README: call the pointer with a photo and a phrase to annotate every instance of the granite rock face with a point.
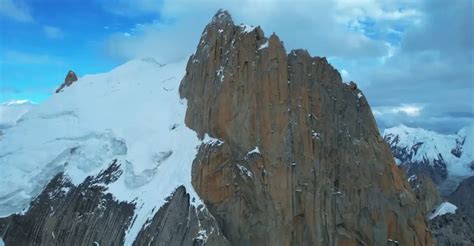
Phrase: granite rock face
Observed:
(70, 78)
(302, 161)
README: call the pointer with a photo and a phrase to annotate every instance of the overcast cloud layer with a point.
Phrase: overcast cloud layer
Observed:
(412, 59)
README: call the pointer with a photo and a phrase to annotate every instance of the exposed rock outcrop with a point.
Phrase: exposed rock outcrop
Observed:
(70, 78)
(425, 192)
(302, 162)
(453, 229)
(449, 228)
(179, 223)
(463, 197)
(64, 214)
(435, 169)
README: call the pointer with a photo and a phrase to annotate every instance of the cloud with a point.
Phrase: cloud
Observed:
(319, 26)
(131, 7)
(16, 10)
(432, 67)
(378, 9)
(154, 40)
(18, 57)
(53, 32)
(413, 59)
(410, 110)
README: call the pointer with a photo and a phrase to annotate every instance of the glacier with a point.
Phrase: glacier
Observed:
(132, 114)
(12, 111)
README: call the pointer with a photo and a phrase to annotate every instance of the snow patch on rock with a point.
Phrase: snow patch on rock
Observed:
(246, 28)
(255, 150)
(245, 171)
(264, 45)
(443, 208)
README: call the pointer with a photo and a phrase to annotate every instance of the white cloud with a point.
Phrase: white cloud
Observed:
(131, 7)
(407, 114)
(53, 32)
(434, 72)
(344, 75)
(161, 42)
(319, 26)
(411, 110)
(16, 10)
(386, 46)
(377, 9)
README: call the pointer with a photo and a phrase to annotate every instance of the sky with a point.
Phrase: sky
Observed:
(412, 59)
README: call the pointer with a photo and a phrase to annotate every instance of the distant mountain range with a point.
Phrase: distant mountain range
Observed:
(446, 158)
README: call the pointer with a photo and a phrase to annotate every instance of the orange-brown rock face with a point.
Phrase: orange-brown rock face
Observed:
(302, 161)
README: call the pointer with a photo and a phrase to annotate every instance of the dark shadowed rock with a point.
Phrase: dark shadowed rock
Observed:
(425, 192)
(70, 78)
(463, 196)
(352, 85)
(179, 223)
(64, 214)
(319, 173)
(453, 229)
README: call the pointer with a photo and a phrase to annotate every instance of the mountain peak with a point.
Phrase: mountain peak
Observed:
(295, 156)
(311, 130)
(222, 16)
(71, 77)
(445, 158)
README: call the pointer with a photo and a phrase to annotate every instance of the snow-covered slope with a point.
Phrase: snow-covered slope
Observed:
(443, 156)
(132, 114)
(12, 111)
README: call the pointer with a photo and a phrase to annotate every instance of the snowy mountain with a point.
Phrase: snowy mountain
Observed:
(12, 111)
(125, 157)
(132, 114)
(447, 159)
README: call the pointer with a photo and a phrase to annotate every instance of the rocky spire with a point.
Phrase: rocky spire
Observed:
(222, 17)
(70, 78)
(302, 161)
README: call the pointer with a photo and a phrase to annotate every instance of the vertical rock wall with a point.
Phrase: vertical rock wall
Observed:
(302, 161)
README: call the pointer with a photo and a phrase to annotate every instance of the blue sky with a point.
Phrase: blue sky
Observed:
(413, 59)
(37, 51)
